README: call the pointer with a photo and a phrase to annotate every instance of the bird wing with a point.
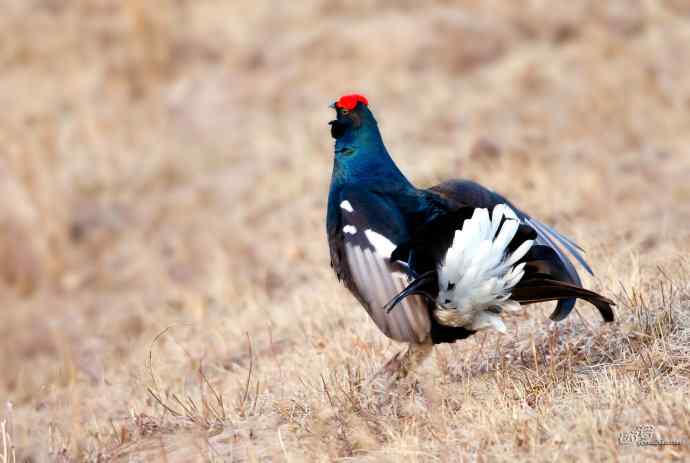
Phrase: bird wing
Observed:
(362, 236)
(468, 193)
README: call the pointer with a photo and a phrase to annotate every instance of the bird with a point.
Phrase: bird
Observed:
(437, 265)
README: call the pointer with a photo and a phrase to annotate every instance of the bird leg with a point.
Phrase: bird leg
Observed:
(402, 364)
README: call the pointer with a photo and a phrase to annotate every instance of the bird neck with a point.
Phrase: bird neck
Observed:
(361, 159)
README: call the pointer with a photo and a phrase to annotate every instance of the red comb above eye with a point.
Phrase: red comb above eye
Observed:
(349, 102)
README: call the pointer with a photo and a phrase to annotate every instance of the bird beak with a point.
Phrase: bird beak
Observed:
(332, 105)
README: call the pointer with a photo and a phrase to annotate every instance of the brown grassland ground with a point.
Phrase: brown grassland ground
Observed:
(166, 293)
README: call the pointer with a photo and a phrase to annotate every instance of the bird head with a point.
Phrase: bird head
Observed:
(358, 142)
(352, 112)
(360, 155)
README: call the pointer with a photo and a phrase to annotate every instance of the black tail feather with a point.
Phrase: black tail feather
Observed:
(540, 289)
(544, 260)
(417, 287)
(563, 309)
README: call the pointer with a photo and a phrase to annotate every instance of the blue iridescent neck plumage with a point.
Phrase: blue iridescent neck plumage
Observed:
(363, 168)
(362, 158)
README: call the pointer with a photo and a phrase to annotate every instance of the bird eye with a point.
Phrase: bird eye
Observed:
(344, 111)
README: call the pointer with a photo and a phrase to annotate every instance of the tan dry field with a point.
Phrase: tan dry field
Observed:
(166, 293)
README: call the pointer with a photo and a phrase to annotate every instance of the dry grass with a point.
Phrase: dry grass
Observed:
(163, 175)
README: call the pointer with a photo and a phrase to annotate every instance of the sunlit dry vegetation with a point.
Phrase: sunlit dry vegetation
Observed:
(166, 294)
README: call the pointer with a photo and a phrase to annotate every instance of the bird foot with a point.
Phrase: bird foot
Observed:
(399, 367)
(390, 372)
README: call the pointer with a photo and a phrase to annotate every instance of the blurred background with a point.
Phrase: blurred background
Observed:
(167, 163)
